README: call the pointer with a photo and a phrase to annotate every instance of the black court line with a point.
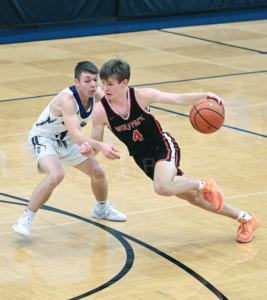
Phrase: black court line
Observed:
(166, 82)
(227, 126)
(129, 251)
(155, 83)
(198, 78)
(28, 98)
(215, 42)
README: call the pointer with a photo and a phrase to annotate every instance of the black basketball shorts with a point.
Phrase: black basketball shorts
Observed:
(166, 150)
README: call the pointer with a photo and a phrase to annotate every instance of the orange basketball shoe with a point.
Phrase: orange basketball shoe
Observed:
(212, 194)
(247, 227)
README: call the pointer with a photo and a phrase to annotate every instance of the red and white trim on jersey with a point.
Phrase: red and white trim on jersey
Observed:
(143, 109)
(129, 105)
(157, 123)
(109, 126)
(175, 159)
(165, 141)
(172, 150)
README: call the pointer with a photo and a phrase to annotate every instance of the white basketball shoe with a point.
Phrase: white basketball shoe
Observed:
(109, 213)
(23, 225)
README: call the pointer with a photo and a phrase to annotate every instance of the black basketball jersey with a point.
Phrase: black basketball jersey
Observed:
(139, 131)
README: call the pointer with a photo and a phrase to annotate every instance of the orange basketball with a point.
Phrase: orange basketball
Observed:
(207, 116)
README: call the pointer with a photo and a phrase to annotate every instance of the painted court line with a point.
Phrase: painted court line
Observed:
(167, 207)
(244, 106)
(1, 136)
(212, 41)
(44, 227)
(138, 212)
(227, 126)
(186, 204)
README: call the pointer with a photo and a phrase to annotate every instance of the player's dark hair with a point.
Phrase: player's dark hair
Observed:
(115, 68)
(85, 66)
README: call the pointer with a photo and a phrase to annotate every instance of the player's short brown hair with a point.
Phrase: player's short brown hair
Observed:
(115, 68)
(85, 66)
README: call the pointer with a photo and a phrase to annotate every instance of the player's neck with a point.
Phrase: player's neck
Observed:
(84, 99)
(121, 98)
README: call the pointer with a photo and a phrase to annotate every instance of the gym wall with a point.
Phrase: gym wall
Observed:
(30, 20)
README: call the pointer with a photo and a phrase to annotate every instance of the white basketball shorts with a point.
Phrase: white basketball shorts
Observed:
(67, 151)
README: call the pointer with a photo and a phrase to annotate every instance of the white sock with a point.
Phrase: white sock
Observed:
(102, 204)
(244, 215)
(29, 213)
(201, 184)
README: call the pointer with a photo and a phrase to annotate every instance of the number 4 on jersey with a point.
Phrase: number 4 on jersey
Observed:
(137, 136)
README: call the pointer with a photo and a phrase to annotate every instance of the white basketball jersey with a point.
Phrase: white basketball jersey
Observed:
(53, 127)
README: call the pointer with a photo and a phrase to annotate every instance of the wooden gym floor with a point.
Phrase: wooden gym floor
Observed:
(167, 249)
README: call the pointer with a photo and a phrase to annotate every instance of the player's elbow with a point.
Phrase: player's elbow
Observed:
(76, 138)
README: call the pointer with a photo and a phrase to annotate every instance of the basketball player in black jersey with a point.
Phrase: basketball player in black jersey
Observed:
(126, 113)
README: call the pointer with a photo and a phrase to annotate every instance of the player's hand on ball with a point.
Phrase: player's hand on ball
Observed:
(109, 151)
(86, 150)
(217, 98)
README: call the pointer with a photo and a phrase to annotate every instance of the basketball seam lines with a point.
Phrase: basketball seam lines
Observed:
(195, 123)
(205, 119)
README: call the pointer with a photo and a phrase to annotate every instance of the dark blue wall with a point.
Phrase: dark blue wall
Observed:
(30, 13)
(157, 7)
(15, 13)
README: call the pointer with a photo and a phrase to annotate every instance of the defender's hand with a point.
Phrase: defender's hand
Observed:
(86, 150)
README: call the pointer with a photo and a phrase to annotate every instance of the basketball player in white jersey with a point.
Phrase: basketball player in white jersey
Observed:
(55, 141)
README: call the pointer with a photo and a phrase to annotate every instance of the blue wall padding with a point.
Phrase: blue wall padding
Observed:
(39, 12)
(155, 7)
(116, 26)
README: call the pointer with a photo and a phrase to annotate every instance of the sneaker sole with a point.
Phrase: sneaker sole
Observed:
(103, 218)
(14, 227)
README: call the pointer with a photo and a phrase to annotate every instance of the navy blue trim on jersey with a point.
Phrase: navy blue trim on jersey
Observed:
(35, 142)
(48, 120)
(84, 114)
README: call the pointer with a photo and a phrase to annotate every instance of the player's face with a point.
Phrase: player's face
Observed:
(113, 89)
(88, 84)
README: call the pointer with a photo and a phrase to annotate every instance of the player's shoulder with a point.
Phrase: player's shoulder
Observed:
(98, 113)
(99, 94)
(65, 102)
(66, 99)
(145, 93)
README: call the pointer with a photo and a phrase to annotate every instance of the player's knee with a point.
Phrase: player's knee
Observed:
(56, 178)
(98, 174)
(162, 190)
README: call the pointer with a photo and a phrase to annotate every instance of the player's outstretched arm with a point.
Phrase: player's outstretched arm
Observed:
(71, 121)
(149, 96)
(99, 122)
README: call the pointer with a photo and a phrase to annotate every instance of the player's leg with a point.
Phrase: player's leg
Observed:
(167, 184)
(52, 167)
(101, 209)
(193, 198)
(248, 222)
(205, 195)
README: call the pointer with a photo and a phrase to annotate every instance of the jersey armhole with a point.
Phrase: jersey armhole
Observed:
(139, 104)
(106, 115)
